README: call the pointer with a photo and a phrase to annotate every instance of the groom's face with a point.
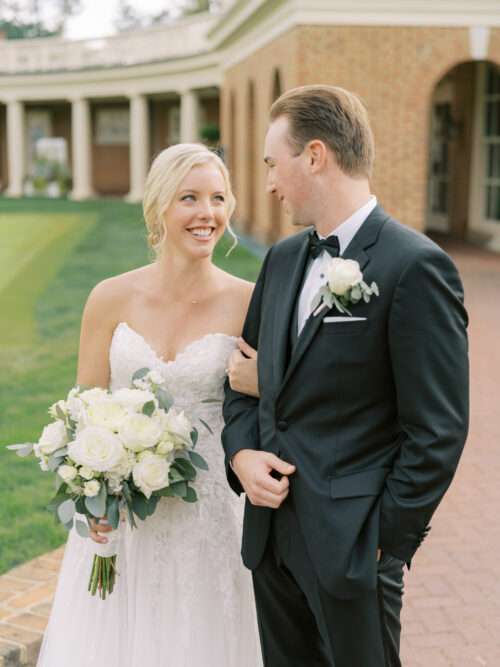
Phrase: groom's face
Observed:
(288, 178)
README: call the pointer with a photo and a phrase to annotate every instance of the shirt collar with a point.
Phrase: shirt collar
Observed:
(347, 229)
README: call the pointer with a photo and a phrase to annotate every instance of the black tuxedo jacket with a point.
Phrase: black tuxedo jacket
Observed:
(373, 413)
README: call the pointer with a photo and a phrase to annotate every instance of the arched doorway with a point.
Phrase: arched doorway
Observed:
(276, 212)
(464, 154)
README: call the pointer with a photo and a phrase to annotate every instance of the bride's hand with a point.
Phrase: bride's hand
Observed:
(96, 528)
(242, 370)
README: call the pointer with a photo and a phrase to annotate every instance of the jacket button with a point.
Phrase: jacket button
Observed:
(282, 425)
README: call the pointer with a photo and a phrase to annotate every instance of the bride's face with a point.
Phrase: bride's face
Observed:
(196, 219)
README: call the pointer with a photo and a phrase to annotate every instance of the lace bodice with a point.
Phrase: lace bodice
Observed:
(198, 371)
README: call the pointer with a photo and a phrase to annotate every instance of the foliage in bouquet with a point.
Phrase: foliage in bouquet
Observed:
(117, 451)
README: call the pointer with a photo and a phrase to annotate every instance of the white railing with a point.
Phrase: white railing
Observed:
(177, 39)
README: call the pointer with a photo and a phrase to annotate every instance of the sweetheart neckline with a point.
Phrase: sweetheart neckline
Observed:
(160, 358)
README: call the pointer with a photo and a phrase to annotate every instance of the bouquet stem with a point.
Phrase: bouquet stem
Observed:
(103, 576)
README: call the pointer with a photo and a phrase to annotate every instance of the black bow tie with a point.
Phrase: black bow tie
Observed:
(317, 245)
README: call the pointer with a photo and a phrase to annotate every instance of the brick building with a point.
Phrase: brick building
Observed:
(429, 73)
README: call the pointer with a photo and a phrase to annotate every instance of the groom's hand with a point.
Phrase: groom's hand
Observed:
(255, 469)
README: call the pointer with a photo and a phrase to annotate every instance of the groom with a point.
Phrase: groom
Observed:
(362, 415)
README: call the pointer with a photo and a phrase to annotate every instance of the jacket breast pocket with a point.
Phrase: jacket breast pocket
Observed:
(344, 327)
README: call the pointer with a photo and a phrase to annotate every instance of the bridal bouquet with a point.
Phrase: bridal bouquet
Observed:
(116, 453)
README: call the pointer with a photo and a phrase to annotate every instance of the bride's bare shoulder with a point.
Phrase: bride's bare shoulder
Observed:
(110, 296)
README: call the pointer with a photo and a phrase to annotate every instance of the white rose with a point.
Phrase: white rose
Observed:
(86, 472)
(139, 431)
(115, 485)
(95, 395)
(151, 474)
(106, 414)
(53, 437)
(343, 274)
(74, 405)
(133, 399)
(96, 448)
(124, 467)
(91, 489)
(178, 425)
(67, 473)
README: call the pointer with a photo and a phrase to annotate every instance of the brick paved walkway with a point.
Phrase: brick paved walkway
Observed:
(452, 606)
(452, 602)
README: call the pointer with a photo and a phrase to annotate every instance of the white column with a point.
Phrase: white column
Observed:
(81, 137)
(16, 147)
(189, 117)
(139, 146)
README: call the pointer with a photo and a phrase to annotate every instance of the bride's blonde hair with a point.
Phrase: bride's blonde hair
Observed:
(169, 169)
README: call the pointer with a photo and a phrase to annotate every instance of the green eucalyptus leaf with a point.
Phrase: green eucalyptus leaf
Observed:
(140, 505)
(60, 414)
(97, 505)
(191, 495)
(211, 400)
(22, 450)
(164, 399)
(81, 528)
(113, 511)
(194, 436)
(186, 469)
(66, 511)
(139, 374)
(198, 460)
(148, 408)
(179, 489)
(206, 426)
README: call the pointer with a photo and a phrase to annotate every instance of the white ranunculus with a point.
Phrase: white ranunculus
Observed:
(58, 404)
(178, 425)
(53, 437)
(342, 274)
(44, 463)
(106, 413)
(155, 377)
(139, 432)
(151, 474)
(67, 473)
(96, 448)
(74, 405)
(165, 447)
(133, 399)
(92, 488)
(86, 472)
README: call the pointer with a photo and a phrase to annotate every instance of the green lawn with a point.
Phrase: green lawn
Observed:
(51, 255)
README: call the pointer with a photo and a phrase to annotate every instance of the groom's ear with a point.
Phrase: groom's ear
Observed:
(317, 155)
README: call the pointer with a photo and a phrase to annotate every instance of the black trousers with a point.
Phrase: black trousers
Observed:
(302, 625)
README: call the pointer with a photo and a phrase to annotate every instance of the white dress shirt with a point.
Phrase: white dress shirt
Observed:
(316, 278)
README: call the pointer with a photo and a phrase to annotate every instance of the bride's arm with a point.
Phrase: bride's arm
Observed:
(242, 370)
(95, 337)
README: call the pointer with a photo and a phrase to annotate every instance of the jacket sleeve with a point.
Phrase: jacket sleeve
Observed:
(428, 348)
(241, 412)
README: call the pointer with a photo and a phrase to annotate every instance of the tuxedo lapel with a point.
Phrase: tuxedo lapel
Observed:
(286, 298)
(366, 237)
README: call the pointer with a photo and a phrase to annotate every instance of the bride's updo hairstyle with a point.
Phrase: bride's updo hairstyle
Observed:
(169, 169)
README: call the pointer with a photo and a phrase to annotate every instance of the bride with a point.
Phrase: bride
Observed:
(182, 597)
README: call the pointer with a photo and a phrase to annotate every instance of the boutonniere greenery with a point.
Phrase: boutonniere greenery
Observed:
(344, 287)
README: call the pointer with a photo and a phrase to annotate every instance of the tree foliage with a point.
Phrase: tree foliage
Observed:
(25, 19)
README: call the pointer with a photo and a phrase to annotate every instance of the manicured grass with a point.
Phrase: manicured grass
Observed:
(51, 255)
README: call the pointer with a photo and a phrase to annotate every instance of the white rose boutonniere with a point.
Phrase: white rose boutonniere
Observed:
(344, 286)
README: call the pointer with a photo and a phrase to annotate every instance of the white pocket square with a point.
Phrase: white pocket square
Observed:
(343, 319)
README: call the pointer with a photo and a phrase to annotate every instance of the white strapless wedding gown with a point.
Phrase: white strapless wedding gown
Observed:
(183, 597)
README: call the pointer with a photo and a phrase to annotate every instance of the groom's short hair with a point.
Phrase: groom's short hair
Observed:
(335, 116)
